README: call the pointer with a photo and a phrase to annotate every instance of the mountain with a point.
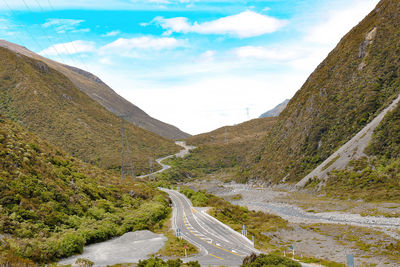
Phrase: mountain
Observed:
(52, 204)
(104, 95)
(47, 103)
(358, 79)
(276, 110)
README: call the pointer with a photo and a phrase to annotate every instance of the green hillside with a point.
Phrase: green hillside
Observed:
(359, 78)
(225, 149)
(51, 106)
(376, 177)
(52, 204)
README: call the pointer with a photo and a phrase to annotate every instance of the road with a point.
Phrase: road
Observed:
(218, 244)
(186, 149)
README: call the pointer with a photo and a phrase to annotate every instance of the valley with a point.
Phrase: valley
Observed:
(88, 178)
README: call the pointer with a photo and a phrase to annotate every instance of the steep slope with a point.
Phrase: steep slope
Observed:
(376, 175)
(276, 110)
(50, 105)
(354, 149)
(52, 204)
(104, 95)
(358, 79)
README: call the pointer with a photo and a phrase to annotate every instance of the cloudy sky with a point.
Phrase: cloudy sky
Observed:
(197, 64)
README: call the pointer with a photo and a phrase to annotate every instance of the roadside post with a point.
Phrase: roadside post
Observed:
(350, 260)
(292, 248)
(252, 237)
(185, 252)
(177, 188)
(244, 230)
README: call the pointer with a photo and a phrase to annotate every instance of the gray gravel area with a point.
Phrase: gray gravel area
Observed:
(128, 248)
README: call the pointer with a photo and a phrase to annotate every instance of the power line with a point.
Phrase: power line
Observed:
(44, 32)
(68, 36)
(126, 160)
(26, 29)
(62, 43)
(8, 26)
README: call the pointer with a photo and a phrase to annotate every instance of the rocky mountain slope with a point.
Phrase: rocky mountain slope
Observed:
(358, 79)
(104, 95)
(48, 104)
(276, 110)
(52, 204)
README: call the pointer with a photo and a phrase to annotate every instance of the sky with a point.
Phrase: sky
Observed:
(196, 64)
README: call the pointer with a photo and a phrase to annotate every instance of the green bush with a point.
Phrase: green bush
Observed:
(270, 260)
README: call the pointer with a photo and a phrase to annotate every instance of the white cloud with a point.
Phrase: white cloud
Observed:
(64, 25)
(74, 47)
(111, 34)
(208, 56)
(160, 1)
(131, 47)
(243, 25)
(268, 53)
(335, 23)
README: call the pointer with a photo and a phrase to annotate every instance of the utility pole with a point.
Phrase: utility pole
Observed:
(150, 167)
(126, 157)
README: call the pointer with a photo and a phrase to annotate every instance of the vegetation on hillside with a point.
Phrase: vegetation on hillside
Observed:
(359, 78)
(52, 204)
(376, 177)
(386, 139)
(47, 103)
(223, 149)
(253, 129)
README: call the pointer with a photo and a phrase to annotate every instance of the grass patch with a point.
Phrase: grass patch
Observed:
(330, 163)
(174, 247)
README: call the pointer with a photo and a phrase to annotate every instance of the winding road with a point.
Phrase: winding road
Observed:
(186, 150)
(218, 244)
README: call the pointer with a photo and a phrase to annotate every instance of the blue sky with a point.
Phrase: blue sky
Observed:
(196, 64)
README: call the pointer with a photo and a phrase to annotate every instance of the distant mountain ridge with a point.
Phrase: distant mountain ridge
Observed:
(276, 110)
(104, 95)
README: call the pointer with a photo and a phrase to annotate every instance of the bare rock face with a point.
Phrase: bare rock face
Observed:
(367, 42)
(41, 66)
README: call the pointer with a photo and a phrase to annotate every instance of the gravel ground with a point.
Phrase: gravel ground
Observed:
(128, 248)
(324, 235)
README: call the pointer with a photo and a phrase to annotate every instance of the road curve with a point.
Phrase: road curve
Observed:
(218, 244)
(186, 150)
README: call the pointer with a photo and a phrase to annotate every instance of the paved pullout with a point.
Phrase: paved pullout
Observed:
(218, 244)
(128, 248)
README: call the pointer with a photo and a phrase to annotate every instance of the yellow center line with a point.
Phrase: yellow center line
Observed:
(216, 256)
(185, 222)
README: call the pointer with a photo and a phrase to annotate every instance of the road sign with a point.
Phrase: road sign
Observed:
(178, 232)
(350, 260)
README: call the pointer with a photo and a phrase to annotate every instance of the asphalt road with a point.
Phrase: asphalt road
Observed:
(218, 244)
(186, 149)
